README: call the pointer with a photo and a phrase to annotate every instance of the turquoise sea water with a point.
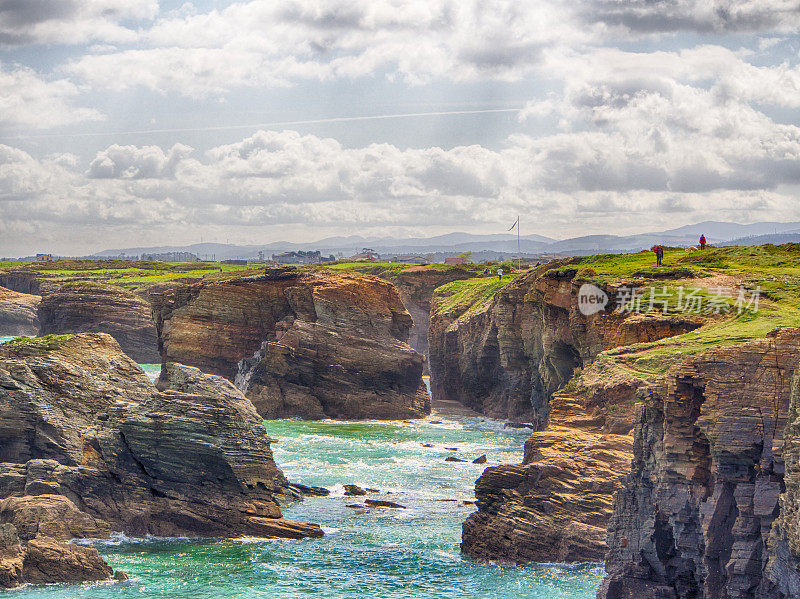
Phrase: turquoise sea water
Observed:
(376, 553)
(151, 370)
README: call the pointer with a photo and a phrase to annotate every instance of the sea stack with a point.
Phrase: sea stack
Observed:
(297, 343)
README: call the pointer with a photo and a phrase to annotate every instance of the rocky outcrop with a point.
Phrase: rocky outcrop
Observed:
(85, 307)
(300, 344)
(555, 506)
(30, 282)
(509, 359)
(43, 560)
(783, 568)
(18, 313)
(700, 514)
(90, 446)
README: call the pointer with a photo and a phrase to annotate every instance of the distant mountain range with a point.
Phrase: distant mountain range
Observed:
(493, 246)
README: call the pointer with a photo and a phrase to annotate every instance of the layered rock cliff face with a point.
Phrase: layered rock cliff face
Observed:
(783, 569)
(508, 359)
(531, 353)
(555, 505)
(89, 446)
(700, 512)
(18, 313)
(81, 307)
(30, 282)
(310, 344)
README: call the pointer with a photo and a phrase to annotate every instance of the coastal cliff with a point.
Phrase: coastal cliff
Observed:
(699, 515)
(555, 505)
(506, 354)
(529, 352)
(89, 446)
(88, 307)
(309, 344)
(416, 286)
(700, 512)
(18, 313)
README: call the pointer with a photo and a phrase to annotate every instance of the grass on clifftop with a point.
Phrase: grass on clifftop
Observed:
(464, 298)
(128, 274)
(46, 341)
(774, 270)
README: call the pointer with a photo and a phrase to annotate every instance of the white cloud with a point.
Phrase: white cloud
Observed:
(261, 43)
(703, 16)
(131, 162)
(71, 21)
(28, 100)
(649, 155)
(277, 42)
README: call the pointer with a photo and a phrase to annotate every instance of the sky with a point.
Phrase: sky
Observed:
(144, 122)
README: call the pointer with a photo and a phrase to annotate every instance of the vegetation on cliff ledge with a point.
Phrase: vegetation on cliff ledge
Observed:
(720, 274)
(464, 298)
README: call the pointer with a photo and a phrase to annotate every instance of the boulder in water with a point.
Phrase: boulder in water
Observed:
(382, 503)
(353, 490)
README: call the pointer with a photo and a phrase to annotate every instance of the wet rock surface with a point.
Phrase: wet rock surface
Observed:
(89, 446)
(302, 344)
(43, 560)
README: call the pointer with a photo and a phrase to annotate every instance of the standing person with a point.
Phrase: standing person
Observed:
(499, 274)
(659, 255)
(702, 241)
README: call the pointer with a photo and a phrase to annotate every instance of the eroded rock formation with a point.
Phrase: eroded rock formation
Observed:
(555, 505)
(18, 313)
(44, 560)
(89, 446)
(310, 344)
(700, 512)
(508, 360)
(84, 307)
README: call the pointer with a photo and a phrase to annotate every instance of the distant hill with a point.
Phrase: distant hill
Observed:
(775, 239)
(722, 230)
(500, 245)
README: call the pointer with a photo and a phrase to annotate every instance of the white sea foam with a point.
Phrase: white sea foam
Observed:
(329, 530)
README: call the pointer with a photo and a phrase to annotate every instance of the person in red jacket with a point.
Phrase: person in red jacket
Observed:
(702, 241)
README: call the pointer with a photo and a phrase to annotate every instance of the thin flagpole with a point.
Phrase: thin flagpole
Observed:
(519, 252)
